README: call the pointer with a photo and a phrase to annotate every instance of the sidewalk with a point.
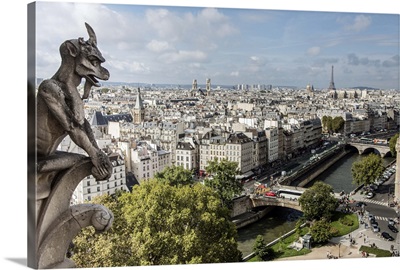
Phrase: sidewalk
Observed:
(340, 247)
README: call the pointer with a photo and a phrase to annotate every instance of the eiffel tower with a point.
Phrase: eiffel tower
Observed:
(332, 84)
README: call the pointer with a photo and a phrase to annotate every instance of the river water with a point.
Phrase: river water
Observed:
(282, 220)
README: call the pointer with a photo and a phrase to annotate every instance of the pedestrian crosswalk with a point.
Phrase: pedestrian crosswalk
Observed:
(375, 202)
(381, 218)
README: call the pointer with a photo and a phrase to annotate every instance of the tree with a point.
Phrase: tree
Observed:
(109, 249)
(367, 169)
(161, 225)
(223, 180)
(261, 249)
(320, 231)
(318, 202)
(332, 124)
(392, 144)
(337, 124)
(175, 175)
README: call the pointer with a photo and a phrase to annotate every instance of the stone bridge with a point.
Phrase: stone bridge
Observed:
(364, 148)
(259, 201)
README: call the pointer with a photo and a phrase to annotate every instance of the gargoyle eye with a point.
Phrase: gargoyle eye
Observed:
(95, 63)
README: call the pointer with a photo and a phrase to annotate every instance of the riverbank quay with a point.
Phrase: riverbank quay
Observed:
(309, 170)
(250, 217)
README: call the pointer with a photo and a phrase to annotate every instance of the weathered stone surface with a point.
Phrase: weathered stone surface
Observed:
(60, 113)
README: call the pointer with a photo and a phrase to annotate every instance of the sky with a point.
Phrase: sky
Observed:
(177, 44)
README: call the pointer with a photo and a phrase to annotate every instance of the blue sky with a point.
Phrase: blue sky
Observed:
(167, 44)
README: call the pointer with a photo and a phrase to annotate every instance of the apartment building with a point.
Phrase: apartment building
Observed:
(89, 188)
(186, 155)
(147, 159)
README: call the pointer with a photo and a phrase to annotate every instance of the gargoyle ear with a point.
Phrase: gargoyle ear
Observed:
(72, 49)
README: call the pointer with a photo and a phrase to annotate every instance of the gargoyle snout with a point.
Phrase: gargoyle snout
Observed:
(105, 74)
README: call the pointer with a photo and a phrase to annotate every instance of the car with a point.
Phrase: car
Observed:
(370, 195)
(387, 236)
(373, 187)
(375, 228)
(270, 194)
(393, 228)
(374, 222)
(391, 221)
(371, 217)
(360, 204)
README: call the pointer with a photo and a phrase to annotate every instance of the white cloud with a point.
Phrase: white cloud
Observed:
(235, 74)
(313, 51)
(183, 56)
(359, 23)
(158, 46)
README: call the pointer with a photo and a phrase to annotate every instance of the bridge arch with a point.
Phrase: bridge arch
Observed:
(363, 148)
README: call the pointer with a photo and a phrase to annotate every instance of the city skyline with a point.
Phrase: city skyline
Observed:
(174, 45)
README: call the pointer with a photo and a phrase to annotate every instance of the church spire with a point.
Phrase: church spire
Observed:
(138, 109)
(139, 102)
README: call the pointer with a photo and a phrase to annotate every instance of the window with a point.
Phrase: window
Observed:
(88, 190)
(98, 189)
(88, 183)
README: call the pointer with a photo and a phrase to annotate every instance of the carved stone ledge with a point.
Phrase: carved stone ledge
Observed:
(59, 222)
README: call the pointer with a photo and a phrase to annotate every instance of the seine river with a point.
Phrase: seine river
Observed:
(282, 220)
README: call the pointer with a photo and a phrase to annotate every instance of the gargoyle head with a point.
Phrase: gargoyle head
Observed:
(87, 58)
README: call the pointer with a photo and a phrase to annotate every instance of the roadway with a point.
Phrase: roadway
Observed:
(378, 206)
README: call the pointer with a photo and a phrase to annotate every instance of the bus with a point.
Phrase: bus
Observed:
(289, 194)
(366, 140)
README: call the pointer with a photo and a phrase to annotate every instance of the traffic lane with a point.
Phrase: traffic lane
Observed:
(382, 214)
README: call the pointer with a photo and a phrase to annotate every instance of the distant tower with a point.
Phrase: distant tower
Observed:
(193, 92)
(138, 110)
(332, 84)
(194, 85)
(310, 90)
(208, 86)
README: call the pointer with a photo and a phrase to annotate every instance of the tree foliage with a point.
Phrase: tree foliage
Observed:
(367, 169)
(332, 124)
(174, 176)
(223, 180)
(320, 231)
(160, 224)
(392, 144)
(318, 202)
(261, 249)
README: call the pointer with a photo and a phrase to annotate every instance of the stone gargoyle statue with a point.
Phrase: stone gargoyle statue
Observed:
(60, 113)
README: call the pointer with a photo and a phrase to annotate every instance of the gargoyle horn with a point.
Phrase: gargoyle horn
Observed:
(92, 35)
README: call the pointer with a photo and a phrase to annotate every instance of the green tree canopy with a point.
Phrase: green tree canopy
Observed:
(318, 202)
(161, 225)
(334, 124)
(261, 249)
(223, 180)
(367, 169)
(174, 175)
(337, 124)
(392, 144)
(320, 231)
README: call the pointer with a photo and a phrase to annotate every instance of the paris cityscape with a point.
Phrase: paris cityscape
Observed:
(235, 151)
